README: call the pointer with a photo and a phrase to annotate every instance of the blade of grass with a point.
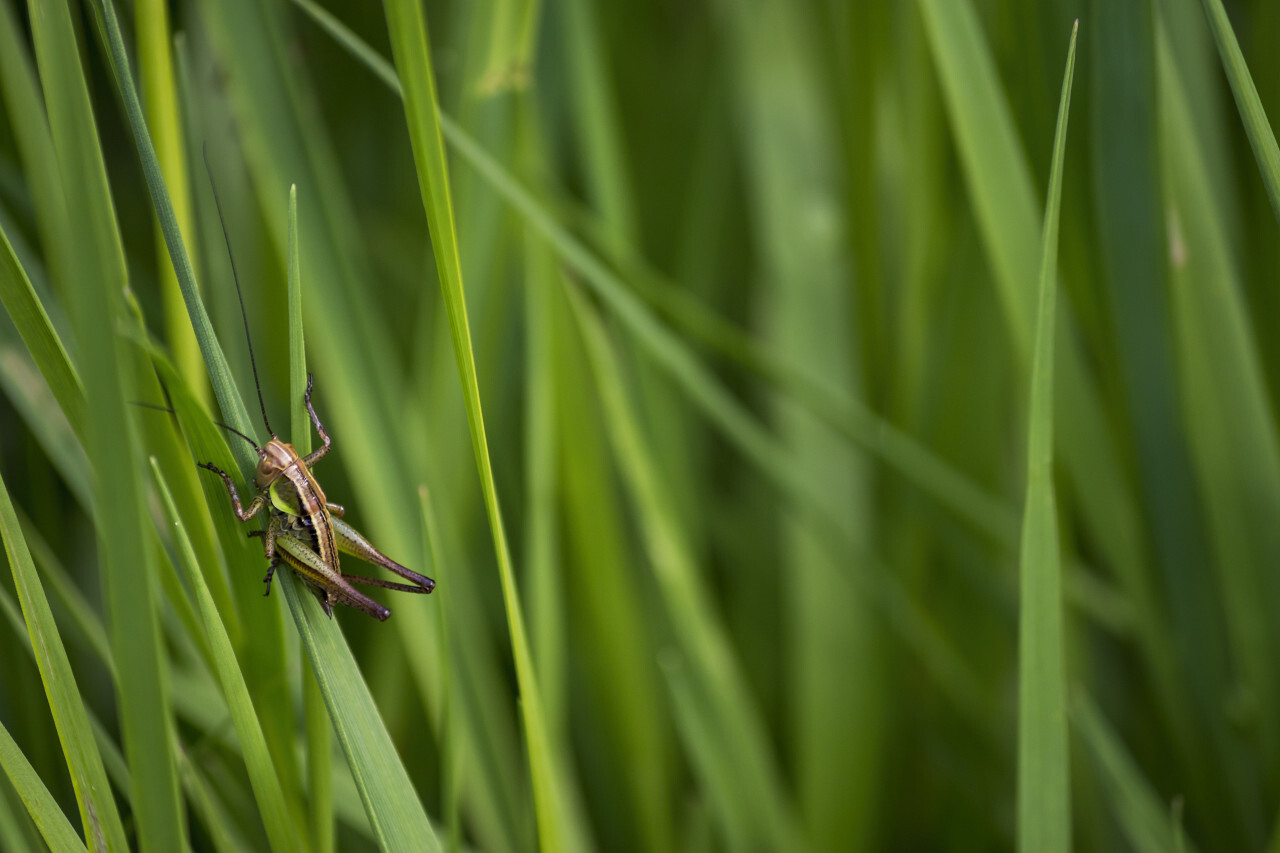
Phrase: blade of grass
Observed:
(1265, 150)
(33, 324)
(1131, 217)
(30, 129)
(392, 807)
(754, 809)
(38, 407)
(837, 679)
(100, 819)
(99, 280)
(1003, 197)
(451, 762)
(1231, 425)
(1137, 807)
(407, 26)
(160, 91)
(394, 811)
(49, 819)
(253, 745)
(319, 739)
(853, 419)
(1044, 802)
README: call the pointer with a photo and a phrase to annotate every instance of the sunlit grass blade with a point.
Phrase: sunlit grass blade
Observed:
(52, 823)
(100, 819)
(266, 785)
(407, 27)
(98, 281)
(1137, 806)
(1044, 805)
(1254, 116)
(160, 91)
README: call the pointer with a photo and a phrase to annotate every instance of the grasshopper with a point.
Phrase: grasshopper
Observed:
(304, 529)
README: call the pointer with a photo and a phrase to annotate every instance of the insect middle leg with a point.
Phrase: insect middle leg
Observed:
(243, 514)
(268, 538)
(316, 455)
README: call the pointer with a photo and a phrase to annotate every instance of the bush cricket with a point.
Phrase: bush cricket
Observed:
(305, 530)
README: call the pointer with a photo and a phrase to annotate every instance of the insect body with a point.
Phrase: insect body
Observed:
(305, 530)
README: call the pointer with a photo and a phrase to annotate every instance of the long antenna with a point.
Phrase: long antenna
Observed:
(171, 411)
(234, 275)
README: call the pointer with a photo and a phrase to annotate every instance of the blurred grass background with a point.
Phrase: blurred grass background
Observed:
(725, 508)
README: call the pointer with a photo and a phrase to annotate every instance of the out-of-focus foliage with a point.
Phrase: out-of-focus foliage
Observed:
(689, 347)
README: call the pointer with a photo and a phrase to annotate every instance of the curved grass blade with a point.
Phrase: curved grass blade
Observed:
(393, 808)
(394, 811)
(253, 745)
(1044, 804)
(49, 819)
(160, 91)
(1137, 806)
(98, 812)
(1231, 426)
(407, 26)
(33, 324)
(1003, 198)
(734, 750)
(30, 129)
(852, 419)
(1261, 139)
(98, 281)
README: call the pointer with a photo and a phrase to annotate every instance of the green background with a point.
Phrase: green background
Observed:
(703, 388)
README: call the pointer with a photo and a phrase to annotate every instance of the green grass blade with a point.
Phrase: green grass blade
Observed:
(160, 90)
(1002, 195)
(319, 731)
(98, 282)
(39, 409)
(395, 813)
(49, 819)
(451, 763)
(30, 128)
(1135, 803)
(98, 811)
(1263, 141)
(837, 723)
(512, 28)
(1044, 804)
(755, 809)
(1231, 425)
(407, 27)
(263, 625)
(262, 775)
(37, 332)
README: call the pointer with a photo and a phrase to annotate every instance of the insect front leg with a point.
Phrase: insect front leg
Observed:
(242, 514)
(268, 538)
(316, 455)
